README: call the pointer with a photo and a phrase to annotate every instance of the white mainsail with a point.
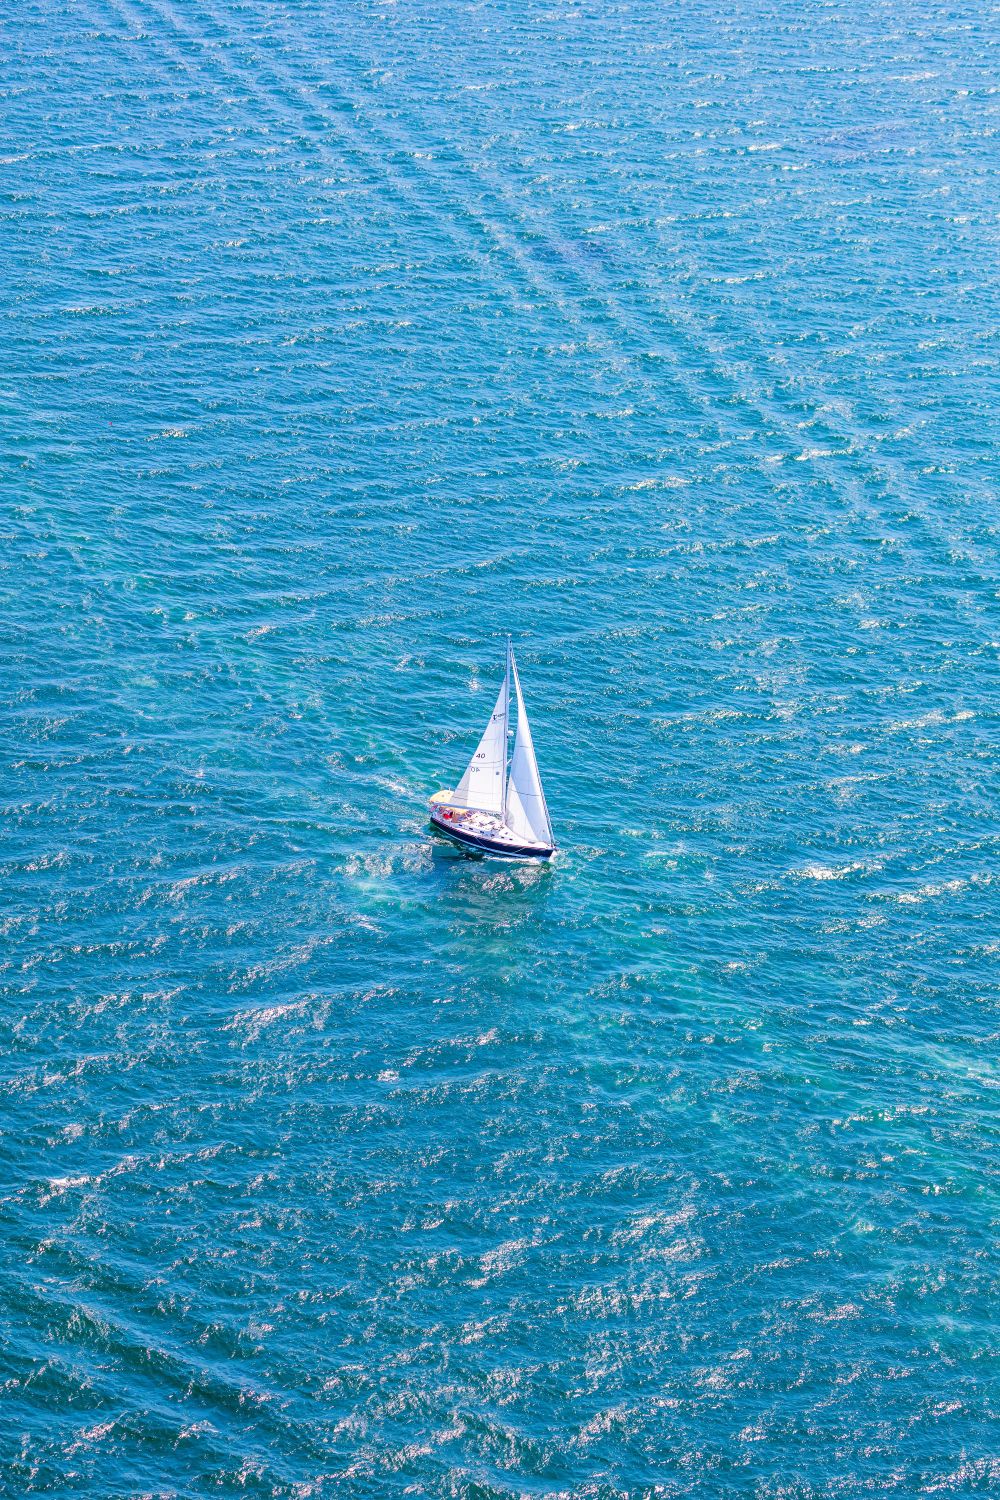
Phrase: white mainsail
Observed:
(526, 813)
(482, 786)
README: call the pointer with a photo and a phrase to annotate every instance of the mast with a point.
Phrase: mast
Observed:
(506, 726)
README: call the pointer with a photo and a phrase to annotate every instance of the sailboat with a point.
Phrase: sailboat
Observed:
(495, 809)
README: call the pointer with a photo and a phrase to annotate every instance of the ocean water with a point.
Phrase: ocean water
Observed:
(339, 339)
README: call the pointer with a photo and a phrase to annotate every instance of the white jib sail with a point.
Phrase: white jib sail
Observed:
(482, 785)
(527, 815)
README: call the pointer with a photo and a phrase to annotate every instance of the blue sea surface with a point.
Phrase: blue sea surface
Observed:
(339, 339)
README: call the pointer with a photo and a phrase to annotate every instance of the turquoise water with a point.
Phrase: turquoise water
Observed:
(339, 340)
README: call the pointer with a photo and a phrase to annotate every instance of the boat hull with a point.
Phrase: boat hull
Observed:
(475, 843)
